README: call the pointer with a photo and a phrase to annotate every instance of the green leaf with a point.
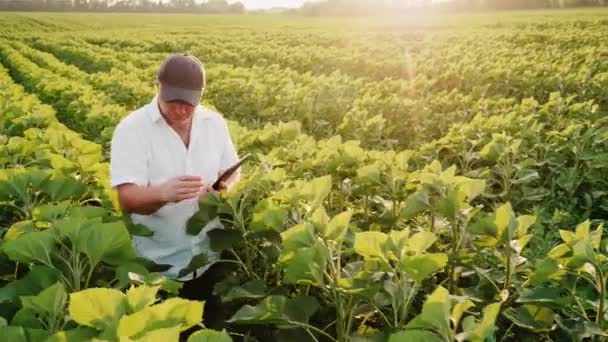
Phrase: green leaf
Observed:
(582, 253)
(307, 265)
(266, 216)
(486, 327)
(526, 176)
(21, 334)
(50, 302)
(301, 308)
(319, 188)
(435, 314)
(420, 267)
(458, 310)
(531, 317)
(36, 280)
(141, 296)
(371, 245)
(472, 188)
(197, 261)
(420, 242)
(19, 229)
(221, 239)
(269, 311)
(34, 247)
(505, 221)
(162, 334)
(555, 297)
(415, 204)
(170, 313)
(545, 270)
(64, 188)
(415, 336)
(397, 242)
(108, 242)
(99, 308)
(448, 206)
(209, 206)
(208, 335)
(80, 334)
(252, 289)
(336, 228)
(299, 236)
(524, 222)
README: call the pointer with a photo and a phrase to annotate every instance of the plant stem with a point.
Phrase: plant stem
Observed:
(454, 253)
(306, 326)
(600, 312)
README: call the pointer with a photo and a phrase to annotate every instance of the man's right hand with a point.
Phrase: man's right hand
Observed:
(181, 188)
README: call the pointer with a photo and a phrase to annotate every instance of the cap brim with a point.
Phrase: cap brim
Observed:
(170, 93)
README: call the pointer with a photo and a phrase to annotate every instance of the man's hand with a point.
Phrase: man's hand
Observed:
(228, 183)
(181, 188)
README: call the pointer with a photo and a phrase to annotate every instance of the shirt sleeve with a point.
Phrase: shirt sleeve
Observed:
(229, 154)
(128, 162)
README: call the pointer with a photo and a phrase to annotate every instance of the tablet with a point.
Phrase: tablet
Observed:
(229, 172)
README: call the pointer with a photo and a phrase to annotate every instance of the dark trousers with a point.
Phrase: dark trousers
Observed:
(201, 288)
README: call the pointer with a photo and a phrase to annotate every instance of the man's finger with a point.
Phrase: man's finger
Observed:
(189, 189)
(190, 178)
(188, 195)
(189, 185)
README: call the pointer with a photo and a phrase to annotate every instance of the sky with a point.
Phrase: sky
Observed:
(256, 4)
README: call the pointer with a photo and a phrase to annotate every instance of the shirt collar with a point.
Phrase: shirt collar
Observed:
(155, 116)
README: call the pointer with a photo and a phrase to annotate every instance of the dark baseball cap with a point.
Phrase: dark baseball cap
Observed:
(182, 77)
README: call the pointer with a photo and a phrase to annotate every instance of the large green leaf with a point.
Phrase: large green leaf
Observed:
(170, 313)
(277, 310)
(252, 289)
(420, 242)
(420, 267)
(299, 236)
(37, 279)
(80, 334)
(318, 189)
(99, 308)
(64, 188)
(208, 335)
(435, 315)
(336, 228)
(416, 203)
(268, 216)
(35, 247)
(197, 261)
(307, 265)
(209, 207)
(141, 296)
(505, 221)
(371, 245)
(270, 311)
(416, 336)
(108, 242)
(50, 302)
(162, 334)
(480, 332)
(532, 317)
(449, 205)
(21, 334)
(222, 239)
(19, 229)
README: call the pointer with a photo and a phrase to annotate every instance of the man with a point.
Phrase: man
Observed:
(164, 157)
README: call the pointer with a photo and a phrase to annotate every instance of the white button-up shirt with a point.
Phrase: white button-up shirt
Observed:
(145, 151)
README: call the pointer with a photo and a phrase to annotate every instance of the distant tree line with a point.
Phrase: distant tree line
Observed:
(367, 7)
(188, 6)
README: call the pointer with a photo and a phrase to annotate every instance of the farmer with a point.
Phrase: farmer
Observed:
(164, 157)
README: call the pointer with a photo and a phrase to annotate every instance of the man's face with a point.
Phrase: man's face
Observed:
(176, 112)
